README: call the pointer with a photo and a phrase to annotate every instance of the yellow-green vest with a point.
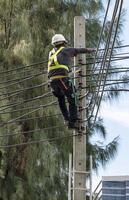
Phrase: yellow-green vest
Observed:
(52, 61)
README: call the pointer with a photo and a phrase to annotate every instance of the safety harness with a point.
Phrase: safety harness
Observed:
(53, 63)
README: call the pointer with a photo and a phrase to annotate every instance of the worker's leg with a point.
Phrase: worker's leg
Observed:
(61, 98)
(69, 91)
(72, 105)
(63, 107)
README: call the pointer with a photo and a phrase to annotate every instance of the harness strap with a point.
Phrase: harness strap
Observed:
(53, 58)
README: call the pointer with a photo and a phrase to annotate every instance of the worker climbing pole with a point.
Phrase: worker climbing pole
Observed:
(60, 82)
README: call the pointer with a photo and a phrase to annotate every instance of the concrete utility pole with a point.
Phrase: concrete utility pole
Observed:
(79, 142)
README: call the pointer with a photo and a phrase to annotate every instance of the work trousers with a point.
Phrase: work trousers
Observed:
(62, 88)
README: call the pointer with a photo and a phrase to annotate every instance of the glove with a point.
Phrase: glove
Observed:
(91, 50)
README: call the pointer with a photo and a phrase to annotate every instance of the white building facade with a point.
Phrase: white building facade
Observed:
(115, 188)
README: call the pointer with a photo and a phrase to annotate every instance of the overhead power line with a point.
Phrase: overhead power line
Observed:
(101, 34)
(114, 90)
(24, 101)
(103, 73)
(23, 109)
(106, 84)
(100, 61)
(22, 73)
(22, 67)
(30, 131)
(116, 47)
(118, 8)
(17, 92)
(34, 118)
(104, 64)
(115, 55)
(20, 81)
(61, 138)
(108, 80)
(30, 112)
(115, 69)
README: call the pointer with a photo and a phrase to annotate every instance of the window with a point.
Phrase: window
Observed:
(114, 191)
(112, 198)
(113, 184)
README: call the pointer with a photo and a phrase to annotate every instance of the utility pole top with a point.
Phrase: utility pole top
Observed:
(79, 31)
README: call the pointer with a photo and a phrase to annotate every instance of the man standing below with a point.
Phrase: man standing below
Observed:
(58, 72)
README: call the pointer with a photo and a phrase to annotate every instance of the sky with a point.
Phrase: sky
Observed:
(116, 120)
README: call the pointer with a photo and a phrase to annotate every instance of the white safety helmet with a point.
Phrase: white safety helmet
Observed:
(58, 39)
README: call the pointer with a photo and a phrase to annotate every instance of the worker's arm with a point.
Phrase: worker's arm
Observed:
(74, 51)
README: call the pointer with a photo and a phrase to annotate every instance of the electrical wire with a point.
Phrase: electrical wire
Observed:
(30, 112)
(116, 90)
(22, 67)
(22, 109)
(102, 68)
(20, 81)
(100, 61)
(93, 89)
(96, 74)
(116, 55)
(101, 33)
(117, 23)
(117, 47)
(61, 138)
(17, 92)
(107, 84)
(22, 73)
(30, 131)
(110, 69)
(24, 101)
(34, 118)
(108, 80)
(105, 63)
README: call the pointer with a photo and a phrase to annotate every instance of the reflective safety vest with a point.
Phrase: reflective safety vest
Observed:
(53, 63)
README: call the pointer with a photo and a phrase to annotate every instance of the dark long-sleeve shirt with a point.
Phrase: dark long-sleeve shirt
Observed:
(64, 58)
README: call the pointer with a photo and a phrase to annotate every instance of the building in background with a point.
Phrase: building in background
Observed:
(115, 188)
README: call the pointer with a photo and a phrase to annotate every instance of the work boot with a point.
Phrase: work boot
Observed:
(72, 125)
